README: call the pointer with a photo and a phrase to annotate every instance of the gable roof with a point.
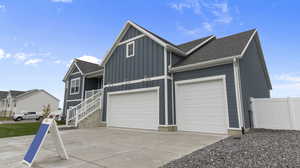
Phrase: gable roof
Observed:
(3, 94)
(189, 46)
(31, 92)
(145, 32)
(15, 93)
(84, 67)
(87, 67)
(228, 46)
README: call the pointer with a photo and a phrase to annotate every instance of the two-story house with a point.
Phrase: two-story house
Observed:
(203, 85)
(82, 80)
(35, 100)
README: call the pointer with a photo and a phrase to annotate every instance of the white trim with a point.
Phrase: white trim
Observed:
(205, 79)
(70, 69)
(75, 73)
(201, 65)
(201, 44)
(75, 83)
(166, 86)
(248, 43)
(172, 91)
(238, 93)
(91, 73)
(82, 88)
(131, 39)
(136, 81)
(133, 49)
(130, 91)
(124, 30)
(78, 67)
(73, 100)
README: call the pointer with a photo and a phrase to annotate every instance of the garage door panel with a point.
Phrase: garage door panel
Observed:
(134, 110)
(201, 107)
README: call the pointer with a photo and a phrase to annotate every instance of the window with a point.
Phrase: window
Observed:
(130, 49)
(75, 85)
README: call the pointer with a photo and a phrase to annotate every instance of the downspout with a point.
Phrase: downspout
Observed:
(166, 86)
(237, 79)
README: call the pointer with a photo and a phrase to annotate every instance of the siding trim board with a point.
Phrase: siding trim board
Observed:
(166, 86)
(237, 82)
(136, 81)
(132, 39)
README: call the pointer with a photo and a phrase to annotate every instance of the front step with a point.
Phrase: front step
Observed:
(66, 127)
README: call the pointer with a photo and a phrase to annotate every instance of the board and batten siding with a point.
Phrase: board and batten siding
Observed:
(148, 61)
(147, 84)
(131, 32)
(253, 80)
(226, 70)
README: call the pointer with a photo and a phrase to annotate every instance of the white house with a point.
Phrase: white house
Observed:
(26, 101)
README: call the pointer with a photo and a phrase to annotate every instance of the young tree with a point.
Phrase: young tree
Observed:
(46, 110)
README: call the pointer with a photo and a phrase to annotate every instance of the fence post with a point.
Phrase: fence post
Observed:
(291, 113)
(76, 116)
(252, 111)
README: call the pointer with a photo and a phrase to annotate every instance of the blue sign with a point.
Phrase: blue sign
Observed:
(36, 143)
(39, 138)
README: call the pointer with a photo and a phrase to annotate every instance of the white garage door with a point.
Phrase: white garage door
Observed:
(201, 106)
(136, 109)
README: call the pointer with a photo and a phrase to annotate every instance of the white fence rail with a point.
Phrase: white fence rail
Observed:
(276, 113)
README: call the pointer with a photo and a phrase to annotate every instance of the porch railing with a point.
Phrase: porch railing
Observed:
(84, 109)
(90, 93)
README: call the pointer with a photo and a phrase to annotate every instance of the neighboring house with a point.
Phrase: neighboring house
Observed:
(82, 79)
(203, 85)
(26, 101)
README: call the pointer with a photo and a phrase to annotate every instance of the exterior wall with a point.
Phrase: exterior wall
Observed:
(68, 104)
(226, 70)
(148, 61)
(253, 80)
(36, 102)
(147, 84)
(131, 32)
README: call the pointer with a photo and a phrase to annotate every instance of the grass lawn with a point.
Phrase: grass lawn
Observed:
(18, 129)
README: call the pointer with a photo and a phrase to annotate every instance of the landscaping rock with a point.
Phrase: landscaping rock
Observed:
(256, 149)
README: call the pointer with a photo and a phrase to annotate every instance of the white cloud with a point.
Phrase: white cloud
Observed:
(193, 32)
(21, 56)
(210, 13)
(2, 8)
(286, 85)
(33, 61)
(91, 59)
(63, 1)
(57, 62)
(2, 53)
(207, 26)
(290, 77)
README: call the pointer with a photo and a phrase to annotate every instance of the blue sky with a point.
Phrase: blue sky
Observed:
(39, 38)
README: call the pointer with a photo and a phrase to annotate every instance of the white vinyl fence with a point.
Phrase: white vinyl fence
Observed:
(276, 113)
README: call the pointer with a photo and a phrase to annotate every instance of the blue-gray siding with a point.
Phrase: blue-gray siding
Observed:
(148, 84)
(226, 70)
(253, 80)
(131, 32)
(148, 61)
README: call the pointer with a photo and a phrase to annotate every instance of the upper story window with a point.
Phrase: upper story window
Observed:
(130, 49)
(75, 85)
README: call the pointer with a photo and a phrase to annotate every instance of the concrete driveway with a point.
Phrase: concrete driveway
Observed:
(107, 147)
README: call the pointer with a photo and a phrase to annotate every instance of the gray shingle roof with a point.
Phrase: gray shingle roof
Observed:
(3, 94)
(219, 48)
(87, 67)
(185, 47)
(15, 93)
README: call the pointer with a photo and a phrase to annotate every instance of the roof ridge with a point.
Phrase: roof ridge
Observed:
(76, 59)
(238, 33)
(195, 40)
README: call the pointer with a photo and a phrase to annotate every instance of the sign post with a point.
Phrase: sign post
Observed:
(47, 124)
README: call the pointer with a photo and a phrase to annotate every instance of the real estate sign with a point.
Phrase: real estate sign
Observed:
(47, 124)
